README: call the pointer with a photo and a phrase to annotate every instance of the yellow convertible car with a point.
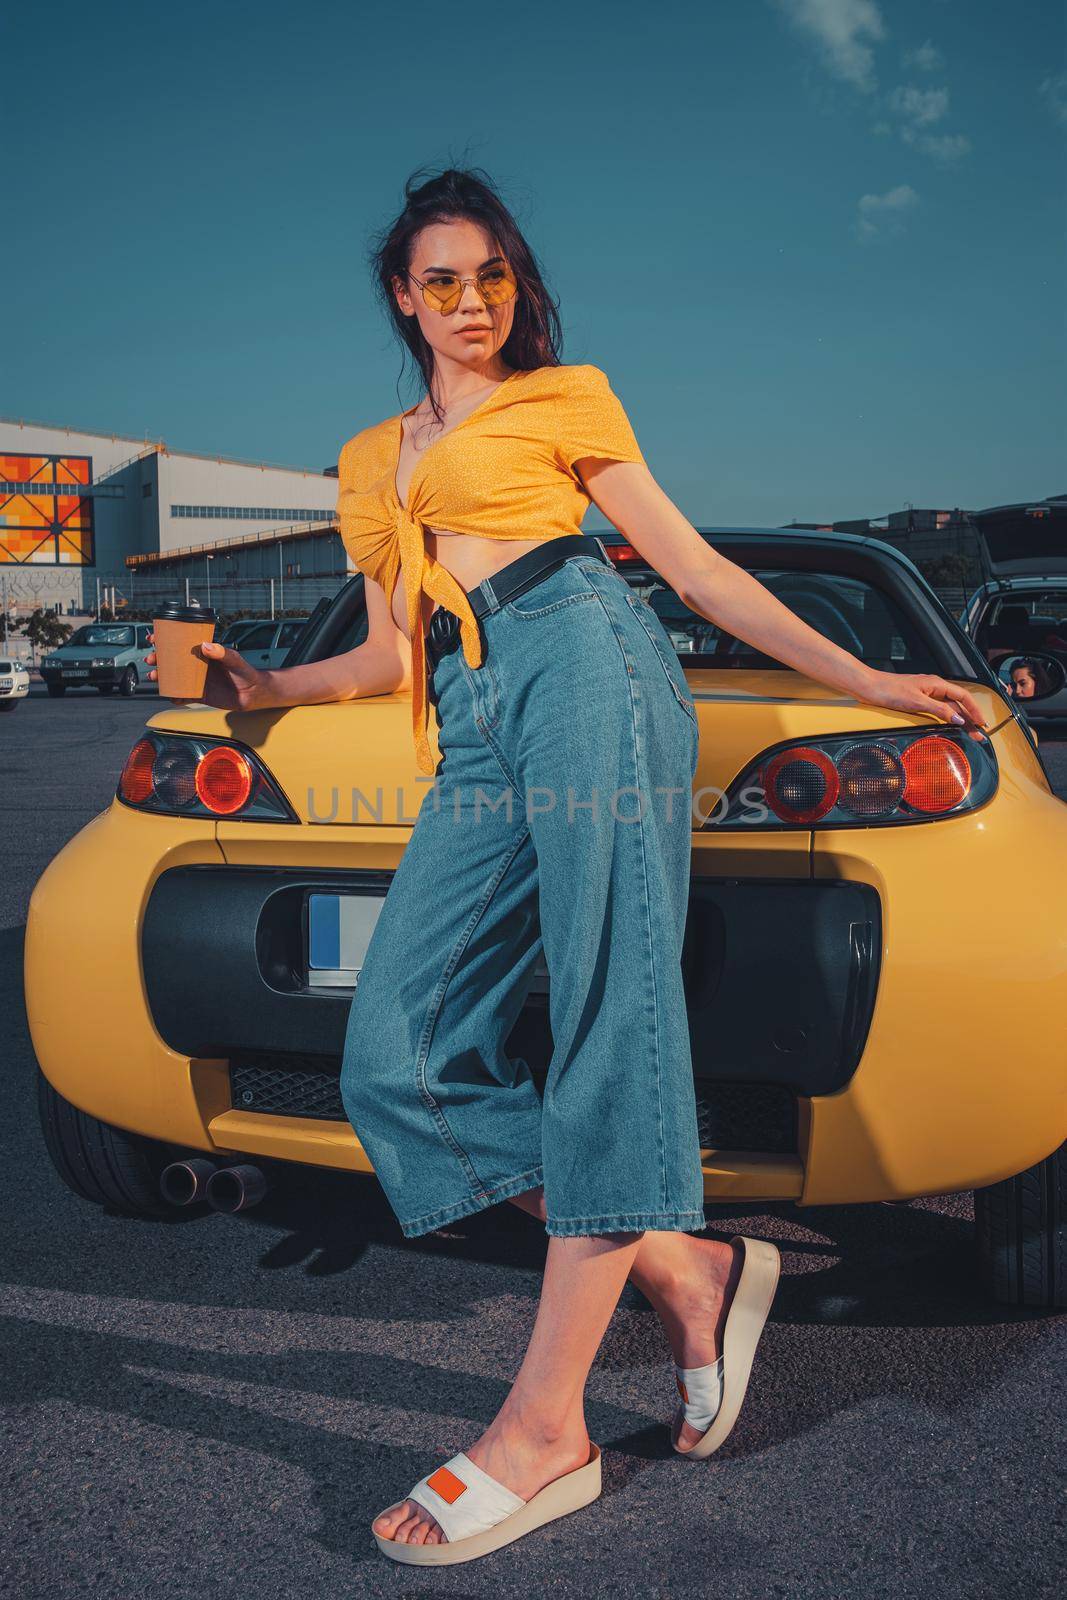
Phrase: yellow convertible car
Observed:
(875, 967)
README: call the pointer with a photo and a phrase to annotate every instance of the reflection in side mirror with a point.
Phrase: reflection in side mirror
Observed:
(1032, 676)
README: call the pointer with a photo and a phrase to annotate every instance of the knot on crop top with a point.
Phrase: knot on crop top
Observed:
(424, 575)
(506, 471)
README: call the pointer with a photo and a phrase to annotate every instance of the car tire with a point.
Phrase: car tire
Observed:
(56, 689)
(1021, 1227)
(112, 1168)
(129, 681)
(8, 705)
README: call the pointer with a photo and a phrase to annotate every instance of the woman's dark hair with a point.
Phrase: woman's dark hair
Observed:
(470, 195)
(1039, 673)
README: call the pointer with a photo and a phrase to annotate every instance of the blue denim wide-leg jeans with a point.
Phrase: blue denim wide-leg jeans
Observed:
(560, 816)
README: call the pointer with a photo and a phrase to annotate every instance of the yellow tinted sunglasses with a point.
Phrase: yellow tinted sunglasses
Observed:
(442, 291)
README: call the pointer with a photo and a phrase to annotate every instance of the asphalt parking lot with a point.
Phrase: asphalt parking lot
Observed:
(218, 1405)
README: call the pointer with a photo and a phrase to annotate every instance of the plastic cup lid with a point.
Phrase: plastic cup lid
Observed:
(179, 611)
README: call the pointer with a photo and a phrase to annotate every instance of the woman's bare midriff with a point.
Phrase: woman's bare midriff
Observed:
(468, 558)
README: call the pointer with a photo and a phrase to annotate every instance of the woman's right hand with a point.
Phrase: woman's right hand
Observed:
(233, 684)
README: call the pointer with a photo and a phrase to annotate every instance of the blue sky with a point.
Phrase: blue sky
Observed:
(818, 246)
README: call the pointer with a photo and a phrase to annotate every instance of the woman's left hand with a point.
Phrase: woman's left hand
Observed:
(925, 691)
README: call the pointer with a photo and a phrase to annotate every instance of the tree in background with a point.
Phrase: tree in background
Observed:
(45, 631)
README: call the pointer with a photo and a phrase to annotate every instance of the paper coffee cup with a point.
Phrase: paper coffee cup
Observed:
(181, 671)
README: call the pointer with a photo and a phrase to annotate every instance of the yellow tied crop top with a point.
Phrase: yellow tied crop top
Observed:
(506, 471)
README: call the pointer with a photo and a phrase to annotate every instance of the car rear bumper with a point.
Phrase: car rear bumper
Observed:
(862, 1025)
(780, 974)
(168, 1018)
(756, 954)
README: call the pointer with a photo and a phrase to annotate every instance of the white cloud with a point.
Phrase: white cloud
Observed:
(845, 31)
(945, 147)
(927, 58)
(1054, 91)
(919, 106)
(918, 110)
(885, 212)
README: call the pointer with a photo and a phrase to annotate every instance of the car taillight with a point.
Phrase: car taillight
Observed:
(856, 780)
(621, 553)
(224, 780)
(801, 784)
(136, 781)
(195, 777)
(939, 774)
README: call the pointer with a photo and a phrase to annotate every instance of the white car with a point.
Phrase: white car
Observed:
(14, 683)
(266, 642)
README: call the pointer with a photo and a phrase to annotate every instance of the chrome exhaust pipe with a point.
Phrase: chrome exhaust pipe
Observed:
(184, 1182)
(236, 1188)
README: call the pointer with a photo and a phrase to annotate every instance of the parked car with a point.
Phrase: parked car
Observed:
(230, 634)
(1018, 616)
(858, 1032)
(100, 655)
(1020, 625)
(265, 642)
(14, 683)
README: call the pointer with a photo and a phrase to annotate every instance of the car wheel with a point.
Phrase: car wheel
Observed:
(1021, 1224)
(107, 1165)
(128, 681)
(8, 705)
(56, 689)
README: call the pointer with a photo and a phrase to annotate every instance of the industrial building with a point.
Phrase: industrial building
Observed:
(91, 520)
(925, 535)
(954, 548)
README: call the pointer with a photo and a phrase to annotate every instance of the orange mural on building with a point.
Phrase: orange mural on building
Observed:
(49, 523)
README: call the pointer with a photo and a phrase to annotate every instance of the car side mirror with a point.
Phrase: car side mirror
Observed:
(1032, 676)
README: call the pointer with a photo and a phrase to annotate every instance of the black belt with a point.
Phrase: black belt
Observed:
(514, 579)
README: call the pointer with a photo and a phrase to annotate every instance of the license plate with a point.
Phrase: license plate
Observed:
(339, 931)
(76, 672)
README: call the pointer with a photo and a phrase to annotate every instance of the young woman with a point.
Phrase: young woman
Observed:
(566, 729)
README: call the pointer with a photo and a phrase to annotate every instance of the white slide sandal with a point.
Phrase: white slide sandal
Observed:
(711, 1396)
(478, 1515)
